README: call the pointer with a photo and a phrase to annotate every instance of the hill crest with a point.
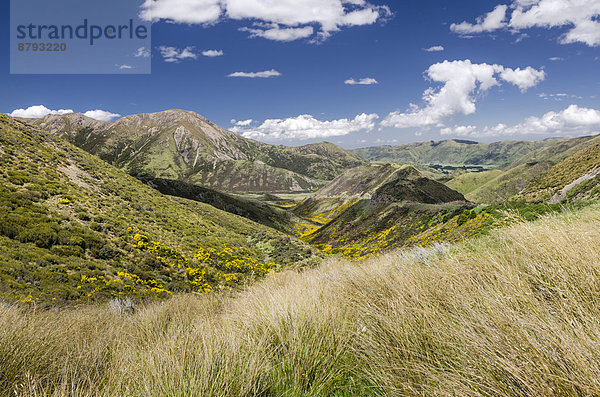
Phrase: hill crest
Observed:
(389, 183)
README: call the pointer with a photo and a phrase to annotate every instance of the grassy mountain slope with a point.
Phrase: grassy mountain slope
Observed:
(73, 228)
(389, 182)
(575, 179)
(514, 313)
(369, 228)
(182, 145)
(454, 152)
(508, 183)
(255, 210)
(370, 209)
(527, 170)
(470, 181)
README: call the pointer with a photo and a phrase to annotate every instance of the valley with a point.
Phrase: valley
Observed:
(113, 237)
(69, 217)
(300, 198)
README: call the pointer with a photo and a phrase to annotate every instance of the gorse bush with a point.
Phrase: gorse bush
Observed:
(513, 313)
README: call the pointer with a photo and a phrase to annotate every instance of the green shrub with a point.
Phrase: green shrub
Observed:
(67, 250)
(106, 252)
(44, 236)
(466, 216)
(18, 177)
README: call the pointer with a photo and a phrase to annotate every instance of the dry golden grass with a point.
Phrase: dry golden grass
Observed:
(513, 314)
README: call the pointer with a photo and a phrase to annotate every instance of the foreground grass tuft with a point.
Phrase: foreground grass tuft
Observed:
(514, 313)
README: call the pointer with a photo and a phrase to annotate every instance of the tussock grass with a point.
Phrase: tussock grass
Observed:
(515, 313)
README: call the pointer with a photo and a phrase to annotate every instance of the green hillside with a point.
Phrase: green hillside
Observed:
(574, 179)
(73, 228)
(454, 152)
(508, 183)
(370, 228)
(408, 184)
(255, 210)
(370, 209)
(467, 182)
(182, 145)
(524, 172)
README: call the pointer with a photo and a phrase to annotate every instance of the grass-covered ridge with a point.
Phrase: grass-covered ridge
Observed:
(577, 173)
(73, 228)
(374, 208)
(253, 209)
(468, 182)
(455, 152)
(521, 175)
(513, 313)
(370, 210)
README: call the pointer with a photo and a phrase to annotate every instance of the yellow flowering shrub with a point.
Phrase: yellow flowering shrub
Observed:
(209, 269)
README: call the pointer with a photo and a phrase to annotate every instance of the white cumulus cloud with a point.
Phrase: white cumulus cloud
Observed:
(253, 75)
(37, 112)
(182, 11)
(523, 78)
(572, 121)
(242, 123)
(277, 33)
(212, 53)
(289, 19)
(493, 20)
(363, 81)
(435, 48)
(175, 55)
(460, 80)
(307, 127)
(579, 17)
(142, 52)
(101, 115)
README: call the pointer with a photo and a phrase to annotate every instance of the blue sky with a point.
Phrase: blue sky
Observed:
(513, 70)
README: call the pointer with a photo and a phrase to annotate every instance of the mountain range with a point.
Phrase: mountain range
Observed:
(455, 152)
(182, 145)
(506, 183)
(155, 204)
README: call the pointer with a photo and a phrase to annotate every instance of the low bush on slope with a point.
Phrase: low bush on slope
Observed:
(513, 313)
